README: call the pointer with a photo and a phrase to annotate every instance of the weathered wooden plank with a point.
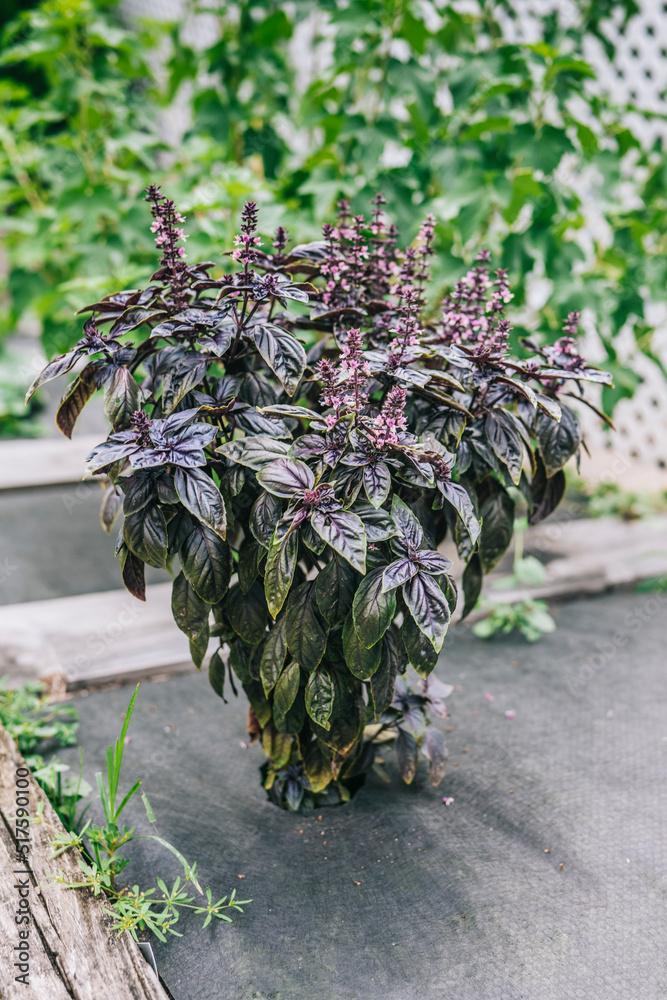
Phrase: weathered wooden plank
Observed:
(74, 955)
(44, 462)
(93, 638)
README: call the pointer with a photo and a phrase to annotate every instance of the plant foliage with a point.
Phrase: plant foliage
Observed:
(294, 439)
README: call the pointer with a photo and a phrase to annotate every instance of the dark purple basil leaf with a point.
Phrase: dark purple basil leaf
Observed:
(60, 365)
(519, 387)
(586, 375)
(145, 534)
(132, 318)
(282, 352)
(218, 343)
(427, 605)
(419, 649)
(206, 562)
(112, 504)
(253, 422)
(293, 795)
(180, 380)
(251, 555)
(121, 398)
(116, 302)
(254, 452)
(384, 678)
(320, 696)
(305, 627)
(308, 446)
(285, 476)
(377, 483)
(116, 447)
(273, 656)
(256, 389)
(557, 441)
(550, 406)
(264, 516)
(345, 533)
(398, 573)
(284, 410)
(281, 563)
(458, 497)
(378, 524)
(406, 752)
(311, 539)
(247, 613)
(497, 515)
(189, 610)
(334, 590)
(166, 491)
(414, 720)
(199, 494)
(360, 661)
(171, 328)
(433, 748)
(177, 421)
(432, 562)
(207, 318)
(546, 494)
(503, 437)
(373, 610)
(75, 398)
(347, 482)
(139, 490)
(132, 570)
(473, 578)
(410, 533)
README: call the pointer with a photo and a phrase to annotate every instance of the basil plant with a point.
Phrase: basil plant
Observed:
(293, 439)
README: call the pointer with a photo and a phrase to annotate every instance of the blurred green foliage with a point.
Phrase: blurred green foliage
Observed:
(503, 142)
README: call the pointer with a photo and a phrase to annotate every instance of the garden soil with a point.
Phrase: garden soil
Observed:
(545, 876)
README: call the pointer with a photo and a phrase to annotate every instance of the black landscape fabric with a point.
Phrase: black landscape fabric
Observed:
(544, 878)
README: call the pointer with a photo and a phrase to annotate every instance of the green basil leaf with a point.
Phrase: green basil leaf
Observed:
(281, 562)
(206, 562)
(145, 534)
(189, 610)
(334, 590)
(418, 647)
(319, 697)
(372, 609)
(285, 692)
(216, 675)
(306, 632)
(247, 613)
(273, 656)
(384, 679)
(198, 647)
(360, 661)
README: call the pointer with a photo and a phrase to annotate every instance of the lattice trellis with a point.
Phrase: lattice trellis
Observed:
(637, 76)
